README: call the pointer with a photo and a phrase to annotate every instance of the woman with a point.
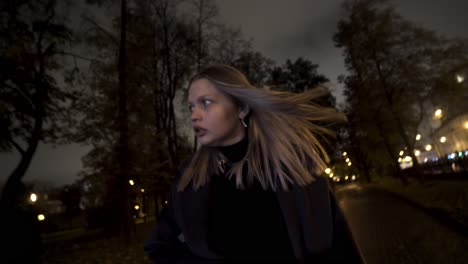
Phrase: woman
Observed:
(251, 192)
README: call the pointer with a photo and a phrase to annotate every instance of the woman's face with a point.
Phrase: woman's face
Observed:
(215, 117)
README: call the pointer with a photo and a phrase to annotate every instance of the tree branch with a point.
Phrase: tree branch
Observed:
(78, 56)
(17, 146)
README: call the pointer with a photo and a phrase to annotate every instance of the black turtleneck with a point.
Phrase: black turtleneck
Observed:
(246, 224)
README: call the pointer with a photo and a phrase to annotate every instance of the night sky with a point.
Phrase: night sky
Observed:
(279, 30)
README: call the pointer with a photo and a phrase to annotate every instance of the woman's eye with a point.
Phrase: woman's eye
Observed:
(190, 107)
(206, 102)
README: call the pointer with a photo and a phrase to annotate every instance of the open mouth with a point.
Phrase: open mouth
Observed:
(199, 132)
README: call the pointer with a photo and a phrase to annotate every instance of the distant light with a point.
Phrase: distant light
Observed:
(466, 153)
(451, 156)
(327, 170)
(40, 217)
(137, 207)
(428, 147)
(399, 159)
(349, 163)
(165, 202)
(347, 159)
(142, 190)
(33, 197)
(417, 152)
(131, 182)
(438, 114)
(443, 139)
(418, 136)
(460, 78)
(345, 153)
(346, 177)
(425, 160)
(466, 124)
(331, 174)
(353, 177)
(408, 159)
(402, 152)
(460, 154)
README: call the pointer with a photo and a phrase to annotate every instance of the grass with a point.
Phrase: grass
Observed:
(97, 249)
(450, 197)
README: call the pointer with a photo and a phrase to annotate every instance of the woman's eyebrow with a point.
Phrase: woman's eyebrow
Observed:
(202, 97)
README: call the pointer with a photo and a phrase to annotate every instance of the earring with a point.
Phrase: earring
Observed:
(243, 122)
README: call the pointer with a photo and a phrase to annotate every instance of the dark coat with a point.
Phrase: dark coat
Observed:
(317, 228)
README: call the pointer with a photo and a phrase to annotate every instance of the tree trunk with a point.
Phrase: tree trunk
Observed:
(123, 188)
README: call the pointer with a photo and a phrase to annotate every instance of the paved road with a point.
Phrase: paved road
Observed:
(390, 231)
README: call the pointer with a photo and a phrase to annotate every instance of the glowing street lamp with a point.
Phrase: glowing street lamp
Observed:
(428, 147)
(438, 114)
(33, 197)
(443, 139)
(418, 137)
(460, 78)
(327, 170)
(466, 124)
(345, 153)
(142, 190)
(349, 163)
(41, 217)
(347, 159)
(401, 152)
(131, 182)
(417, 152)
(137, 207)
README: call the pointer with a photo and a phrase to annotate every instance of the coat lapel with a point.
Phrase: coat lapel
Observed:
(192, 213)
(308, 217)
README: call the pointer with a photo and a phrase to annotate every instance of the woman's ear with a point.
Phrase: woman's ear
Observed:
(244, 110)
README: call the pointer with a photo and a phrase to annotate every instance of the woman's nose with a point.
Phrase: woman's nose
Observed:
(196, 115)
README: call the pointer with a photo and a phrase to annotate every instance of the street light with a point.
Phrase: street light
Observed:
(438, 114)
(33, 197)
(137, 207)
(347, 159)
(417, 152)
(443, 139)
(142, 190)
(349, 163)
(460, 78)
(428, 147)
(402, 152)
(466, 125)
(345, 153)
(418, 137)
(41, 217)
(131, 182)
(327, 170)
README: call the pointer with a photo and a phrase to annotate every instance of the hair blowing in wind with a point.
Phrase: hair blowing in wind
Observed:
(284, 146)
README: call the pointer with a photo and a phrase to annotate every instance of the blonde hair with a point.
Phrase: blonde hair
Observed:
(283, 143)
